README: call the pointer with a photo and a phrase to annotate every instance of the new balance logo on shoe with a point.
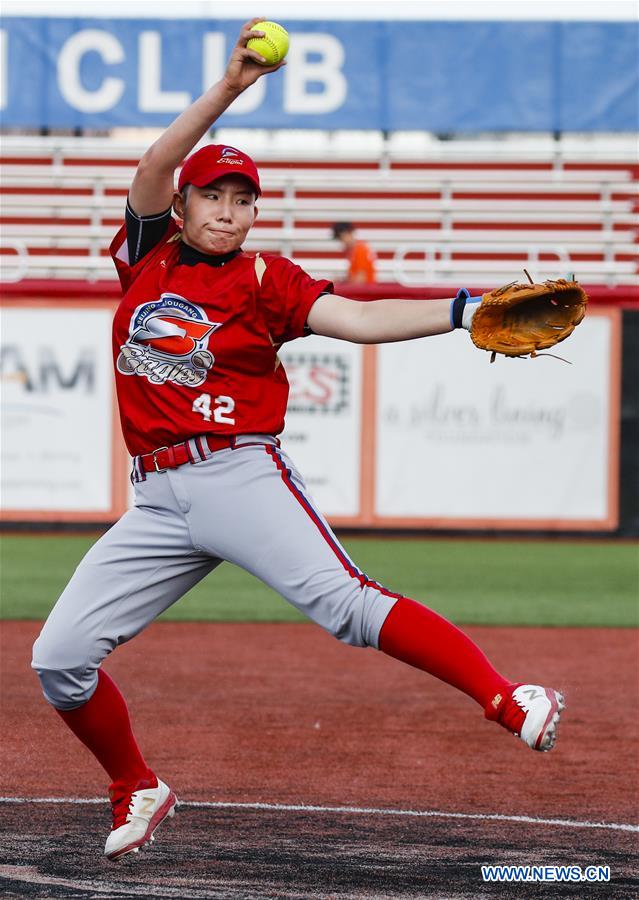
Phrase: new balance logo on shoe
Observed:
(530, 712)
(137, 812)
(146, 807)
(532, 693)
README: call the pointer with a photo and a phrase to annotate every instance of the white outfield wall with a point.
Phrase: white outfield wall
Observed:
(324, 420)
(55, 378)
(61, 457)
(419, 434)
(521, 441)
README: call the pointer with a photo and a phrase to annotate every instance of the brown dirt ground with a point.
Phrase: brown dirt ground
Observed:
(286, 714)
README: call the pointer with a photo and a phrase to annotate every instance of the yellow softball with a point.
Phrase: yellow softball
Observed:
(273, 46)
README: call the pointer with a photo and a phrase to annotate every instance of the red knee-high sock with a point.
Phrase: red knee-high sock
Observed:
(421, 638)
(103, 725)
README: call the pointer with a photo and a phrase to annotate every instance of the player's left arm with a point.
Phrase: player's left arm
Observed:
(379, 321)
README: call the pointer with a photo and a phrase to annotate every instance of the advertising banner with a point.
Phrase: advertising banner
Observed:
(433, 76)
(323, 421)
(515, 444)
(418, 434)
(57, 411)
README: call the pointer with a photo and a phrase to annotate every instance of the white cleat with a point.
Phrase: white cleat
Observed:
(530, 712)
(143, 808)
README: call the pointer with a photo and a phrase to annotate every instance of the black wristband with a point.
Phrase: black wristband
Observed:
(457, 308)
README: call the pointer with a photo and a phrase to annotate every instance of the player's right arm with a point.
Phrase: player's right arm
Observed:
(152, 189)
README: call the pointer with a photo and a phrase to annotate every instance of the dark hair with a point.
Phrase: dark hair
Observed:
(340, 228)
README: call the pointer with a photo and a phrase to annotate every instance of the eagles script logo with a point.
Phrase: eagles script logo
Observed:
(168, 341)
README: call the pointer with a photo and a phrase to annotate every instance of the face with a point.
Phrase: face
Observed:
(347, 239)
(217, 218)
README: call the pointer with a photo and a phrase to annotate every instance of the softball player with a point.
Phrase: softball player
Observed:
(202, 397)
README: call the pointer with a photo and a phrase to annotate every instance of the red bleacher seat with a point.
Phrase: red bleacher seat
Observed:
(427, 220)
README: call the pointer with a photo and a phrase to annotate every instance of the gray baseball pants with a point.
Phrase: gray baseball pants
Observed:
(247, 505)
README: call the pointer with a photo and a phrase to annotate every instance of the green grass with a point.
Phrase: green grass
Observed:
(473, 582)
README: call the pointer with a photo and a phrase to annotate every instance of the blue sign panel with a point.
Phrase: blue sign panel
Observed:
(434, 76)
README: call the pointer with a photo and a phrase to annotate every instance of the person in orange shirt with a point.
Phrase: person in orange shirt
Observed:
(361, 257)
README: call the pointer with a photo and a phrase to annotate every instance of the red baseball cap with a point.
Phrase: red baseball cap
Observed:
(214, 162)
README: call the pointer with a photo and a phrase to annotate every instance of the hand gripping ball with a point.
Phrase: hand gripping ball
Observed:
(273, 46)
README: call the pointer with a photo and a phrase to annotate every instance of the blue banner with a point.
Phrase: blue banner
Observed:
(434, 76)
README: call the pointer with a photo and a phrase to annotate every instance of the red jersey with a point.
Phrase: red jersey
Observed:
(195, 345)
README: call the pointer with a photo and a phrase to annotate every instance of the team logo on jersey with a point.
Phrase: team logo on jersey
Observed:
(168, 341)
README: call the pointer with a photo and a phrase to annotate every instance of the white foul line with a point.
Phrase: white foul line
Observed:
(352, 810)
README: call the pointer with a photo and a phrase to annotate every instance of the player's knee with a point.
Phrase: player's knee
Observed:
(64, 686)
(358, 618)
(347, 634)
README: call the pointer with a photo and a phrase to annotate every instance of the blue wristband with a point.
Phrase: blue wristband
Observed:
(457, 307)
(458, 304)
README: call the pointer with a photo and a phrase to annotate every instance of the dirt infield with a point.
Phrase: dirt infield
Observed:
(284, 715)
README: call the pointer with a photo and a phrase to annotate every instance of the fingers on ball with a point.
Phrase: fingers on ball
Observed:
(253, 21)
(248, 32)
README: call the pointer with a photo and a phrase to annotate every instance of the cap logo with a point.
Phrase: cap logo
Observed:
(231, 157)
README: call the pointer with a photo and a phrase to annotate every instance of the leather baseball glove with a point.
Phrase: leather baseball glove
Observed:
(519, 319)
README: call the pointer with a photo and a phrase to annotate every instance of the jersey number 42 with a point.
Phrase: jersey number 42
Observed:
(219, 413)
